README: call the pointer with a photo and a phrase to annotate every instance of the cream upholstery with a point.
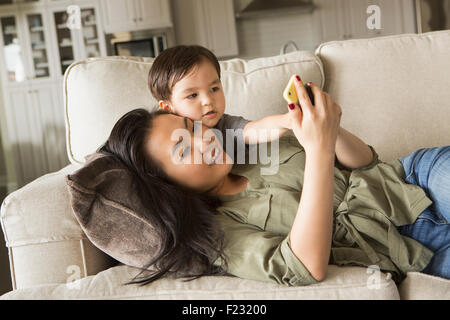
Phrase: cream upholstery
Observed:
(342, 283)
(393, 93)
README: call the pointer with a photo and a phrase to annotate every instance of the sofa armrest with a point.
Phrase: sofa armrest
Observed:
(45, 242)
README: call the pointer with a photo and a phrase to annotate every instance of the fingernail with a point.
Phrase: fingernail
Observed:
(291, 106)
(298, 78)
(309, 83)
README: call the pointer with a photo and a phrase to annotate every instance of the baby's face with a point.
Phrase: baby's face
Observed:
(199, 95)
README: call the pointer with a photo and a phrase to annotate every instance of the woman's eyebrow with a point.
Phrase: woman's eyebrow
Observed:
(181, 137)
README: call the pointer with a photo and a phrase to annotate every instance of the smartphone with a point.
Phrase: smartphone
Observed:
(290, 94)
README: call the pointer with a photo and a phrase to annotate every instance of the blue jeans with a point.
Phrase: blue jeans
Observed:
(429, 168)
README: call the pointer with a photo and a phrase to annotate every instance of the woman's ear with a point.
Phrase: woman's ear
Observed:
(163, 105)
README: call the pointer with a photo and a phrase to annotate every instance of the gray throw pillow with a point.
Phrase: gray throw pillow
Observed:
(105, 201)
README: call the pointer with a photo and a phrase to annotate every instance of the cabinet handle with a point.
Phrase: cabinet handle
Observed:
(138, 11)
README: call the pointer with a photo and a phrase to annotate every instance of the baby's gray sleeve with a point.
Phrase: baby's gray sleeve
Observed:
(231, 122)
(234, 123)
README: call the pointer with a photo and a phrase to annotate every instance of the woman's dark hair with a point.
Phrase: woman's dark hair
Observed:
(172, 64)
(190, 238)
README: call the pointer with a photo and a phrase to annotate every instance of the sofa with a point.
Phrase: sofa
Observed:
(393, 92)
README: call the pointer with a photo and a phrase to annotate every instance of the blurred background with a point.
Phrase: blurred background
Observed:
(39, 39)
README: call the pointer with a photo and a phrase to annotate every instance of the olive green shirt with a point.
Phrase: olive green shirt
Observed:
(368, 204)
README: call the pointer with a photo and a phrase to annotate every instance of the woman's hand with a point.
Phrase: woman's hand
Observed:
(316, 127)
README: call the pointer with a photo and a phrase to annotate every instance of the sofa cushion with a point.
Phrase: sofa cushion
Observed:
(392, 90)
(341, 283)
(98, 91)
(105, 199)
(421, 286)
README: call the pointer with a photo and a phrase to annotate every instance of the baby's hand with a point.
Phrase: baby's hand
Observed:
(286, 120)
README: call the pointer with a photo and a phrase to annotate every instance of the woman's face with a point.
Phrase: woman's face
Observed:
(196, 161)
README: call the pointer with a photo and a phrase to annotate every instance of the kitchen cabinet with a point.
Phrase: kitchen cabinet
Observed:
(220, 27)
(35, 124)
(133, 15)
(36, 47)
(347, 19)
(25, 45)
(5, 4)
(207, 23)
(73, 44)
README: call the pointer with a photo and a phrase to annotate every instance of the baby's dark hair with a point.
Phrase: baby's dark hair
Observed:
(172, 64)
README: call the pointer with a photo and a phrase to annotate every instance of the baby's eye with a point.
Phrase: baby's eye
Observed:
(215, 89)
(192, 96)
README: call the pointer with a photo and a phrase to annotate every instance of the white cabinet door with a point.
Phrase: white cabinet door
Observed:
(24, 134)
(38, 44)
(36, 140)
(347, 19)
(66, 46)
(47, 107)
(119, 15)
(391, 17)
(330, 13)
(356, 19)
(36, 130)
(90, 37)
(13, 53)
(220, 27)
(343, 19)
(153, 14)
(72, 44)
(207, 23)
(133, 15)
(15, 101)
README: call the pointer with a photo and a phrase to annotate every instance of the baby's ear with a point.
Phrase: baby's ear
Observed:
(163, 105)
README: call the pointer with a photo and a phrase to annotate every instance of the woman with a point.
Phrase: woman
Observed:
(288, 227)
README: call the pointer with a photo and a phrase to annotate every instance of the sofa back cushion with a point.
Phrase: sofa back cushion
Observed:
(393, 90)
(98, 91)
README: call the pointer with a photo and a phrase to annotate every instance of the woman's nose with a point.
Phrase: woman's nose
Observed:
(205, 141)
